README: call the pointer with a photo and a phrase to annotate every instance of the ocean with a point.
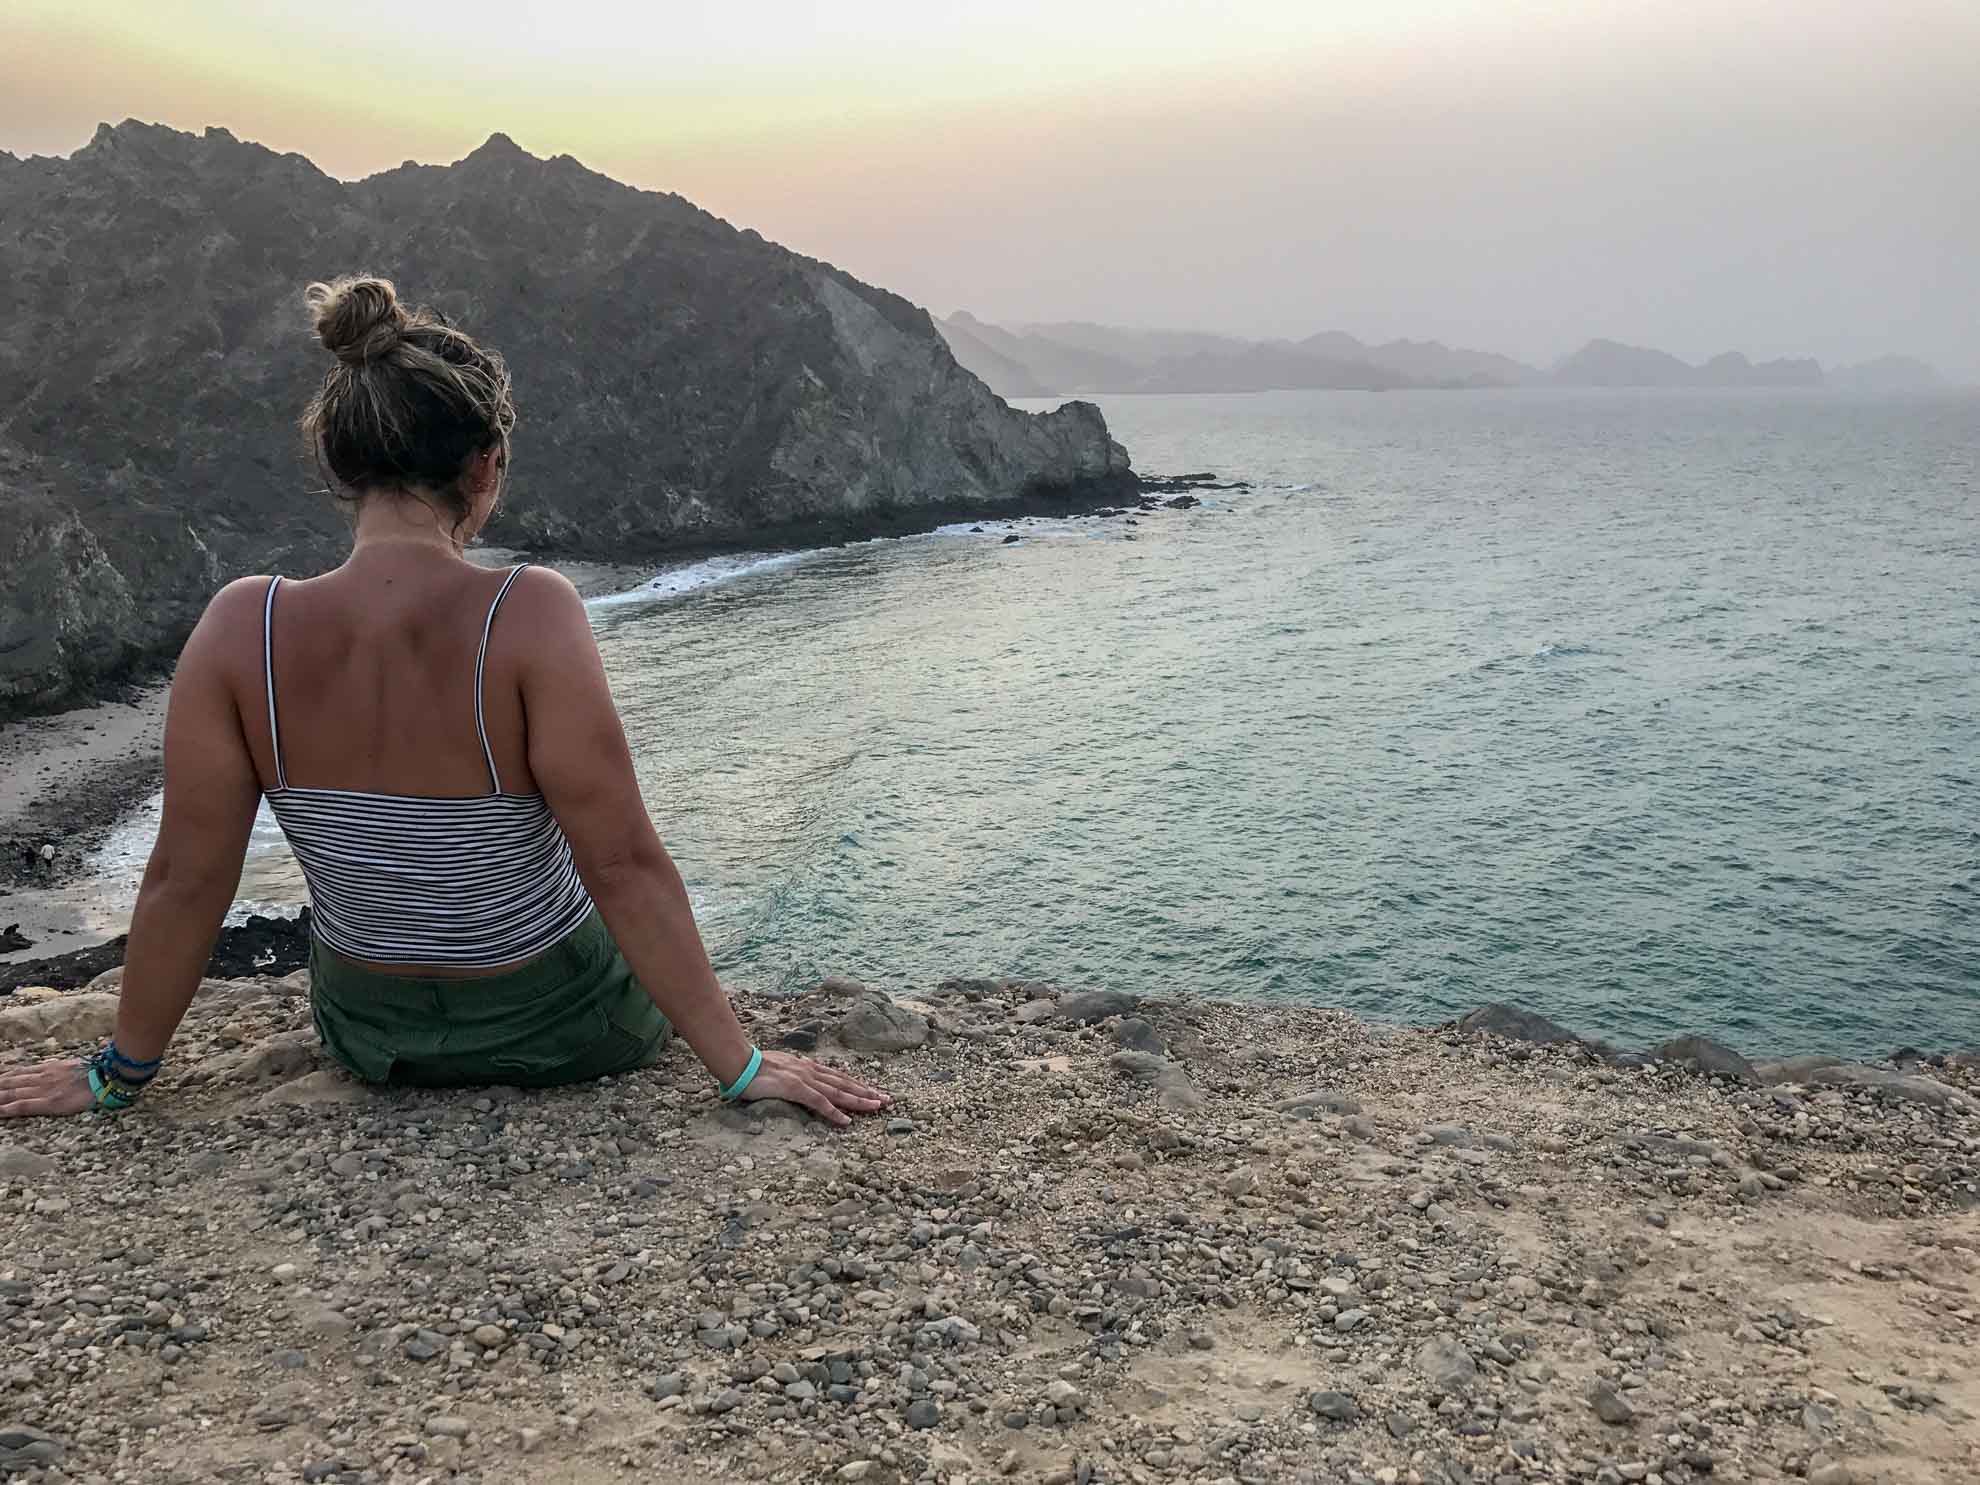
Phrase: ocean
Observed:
(1652, 712)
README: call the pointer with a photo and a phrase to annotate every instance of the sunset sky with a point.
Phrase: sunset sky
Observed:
(1785, 178)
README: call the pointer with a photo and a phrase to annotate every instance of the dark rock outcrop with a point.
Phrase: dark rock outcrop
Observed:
(1702, 1054)
(684, 384)
(1515, 1025)
(260, 946)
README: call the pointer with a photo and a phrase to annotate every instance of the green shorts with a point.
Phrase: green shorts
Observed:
(573, 1013)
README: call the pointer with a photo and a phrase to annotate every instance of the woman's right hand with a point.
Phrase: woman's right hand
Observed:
(830, 1094)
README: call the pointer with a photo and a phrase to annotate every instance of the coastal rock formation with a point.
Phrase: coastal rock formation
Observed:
(683, 384)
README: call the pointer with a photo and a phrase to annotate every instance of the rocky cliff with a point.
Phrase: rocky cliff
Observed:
(683, 383)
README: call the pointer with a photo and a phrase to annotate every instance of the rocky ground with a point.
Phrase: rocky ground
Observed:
(1093, 1241)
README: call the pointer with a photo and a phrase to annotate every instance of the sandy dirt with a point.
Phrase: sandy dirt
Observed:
(1094, 1240)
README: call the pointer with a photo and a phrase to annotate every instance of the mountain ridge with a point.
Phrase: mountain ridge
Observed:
(1082, 357)
(684, 384)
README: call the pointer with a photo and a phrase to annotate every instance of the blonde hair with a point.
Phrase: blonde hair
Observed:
(410, 400)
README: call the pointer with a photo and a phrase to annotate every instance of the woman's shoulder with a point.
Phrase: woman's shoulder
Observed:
(545, 592)
(243, 597)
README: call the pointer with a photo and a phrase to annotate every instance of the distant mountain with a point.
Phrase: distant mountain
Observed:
(1030, 360)
(1077, 357)
(1610, 363)
(1269, 366)
(1425, 363)
(1003, 374)
(1071, 357)
(1885, 375)
(1145, 349)
(1732, 369)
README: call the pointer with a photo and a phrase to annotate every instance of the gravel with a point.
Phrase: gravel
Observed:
(1195, 1243)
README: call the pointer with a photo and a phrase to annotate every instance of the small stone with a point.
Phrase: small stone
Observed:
(924, 1412)
(1823, 1470)
(528, 1439)
(285, 1273)
(23, 1449)
(900, 1126)
(1319, 1101)
(1610, 1405)
(1446, 1364)
(24, 1165)
(1335, 1405)
(447, 1426)
(1062, 1394)
(490, 1337)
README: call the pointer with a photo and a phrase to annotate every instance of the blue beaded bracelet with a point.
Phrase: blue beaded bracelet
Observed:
(735, 1090)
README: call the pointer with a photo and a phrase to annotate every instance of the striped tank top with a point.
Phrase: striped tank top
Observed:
(475, 882)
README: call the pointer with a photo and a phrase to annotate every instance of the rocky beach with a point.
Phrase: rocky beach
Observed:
(1098, 1238)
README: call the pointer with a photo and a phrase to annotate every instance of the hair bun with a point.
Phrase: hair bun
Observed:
(357, 319)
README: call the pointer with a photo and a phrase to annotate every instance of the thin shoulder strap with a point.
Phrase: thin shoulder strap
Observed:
(480, 667)
(268, 673)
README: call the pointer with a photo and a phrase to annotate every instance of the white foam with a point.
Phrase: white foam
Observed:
(695, 576)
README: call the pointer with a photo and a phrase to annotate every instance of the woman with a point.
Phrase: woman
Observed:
(439, 743)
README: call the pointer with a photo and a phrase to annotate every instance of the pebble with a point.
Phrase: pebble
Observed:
(1335, 1405)
(1611, 1406)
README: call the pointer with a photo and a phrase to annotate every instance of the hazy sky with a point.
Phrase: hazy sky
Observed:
(1786, 178)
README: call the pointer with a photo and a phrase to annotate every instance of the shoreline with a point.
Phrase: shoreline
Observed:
(280, 945)
(1096, 1237)
(605, 557)
(107, 753)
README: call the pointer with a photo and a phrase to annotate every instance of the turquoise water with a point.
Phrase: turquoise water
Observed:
(1653, 713)
(1650, 712)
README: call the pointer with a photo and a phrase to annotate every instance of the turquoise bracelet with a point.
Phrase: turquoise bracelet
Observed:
(111, 1096)
(736, 1089)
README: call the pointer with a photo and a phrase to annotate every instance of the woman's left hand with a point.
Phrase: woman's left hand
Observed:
(44, 1088)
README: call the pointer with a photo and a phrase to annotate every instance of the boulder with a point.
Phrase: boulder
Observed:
(1318, 1101)
(1085, 1006)
(1515, 1025)
(1704, 1055)
(1137, 1035)
(1170, 1082)
(876, 1024)
(1900, 1087)
(80, 1018)
(1793, 1069)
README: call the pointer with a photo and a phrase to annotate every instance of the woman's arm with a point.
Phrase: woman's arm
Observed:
(211, 792)
(578, 753)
